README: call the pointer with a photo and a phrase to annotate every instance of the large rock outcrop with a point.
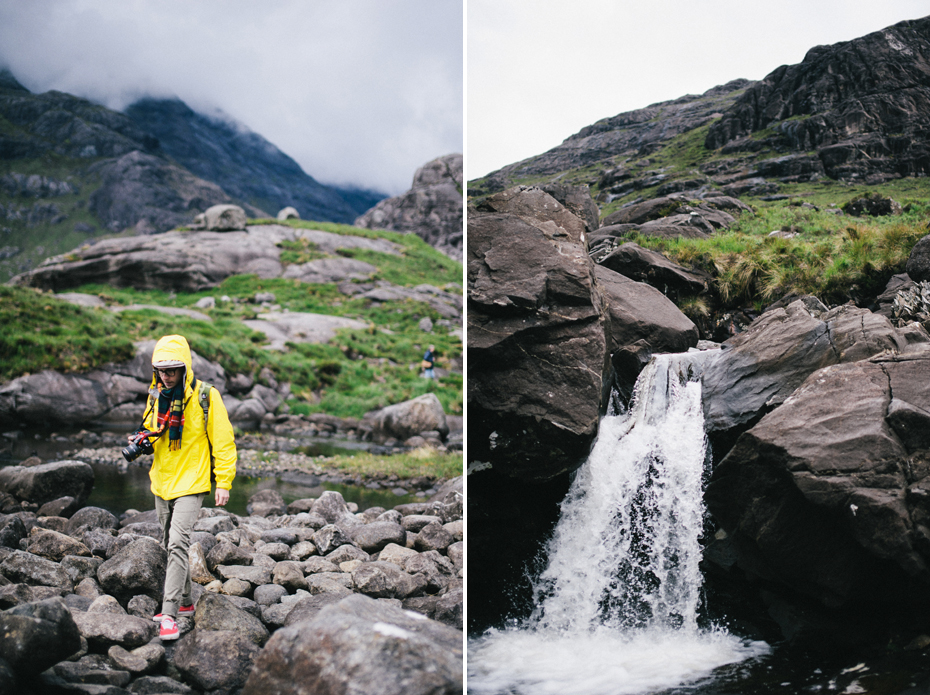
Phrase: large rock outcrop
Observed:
(193, 261)
(863, 105)
(538, 354)
(544, 321)
(432, 208)
(828, 494)
(760, 368)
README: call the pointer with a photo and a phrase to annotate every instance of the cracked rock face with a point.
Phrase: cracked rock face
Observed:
(759, 368)
(432, 208)
(537, 340)
(829, 494)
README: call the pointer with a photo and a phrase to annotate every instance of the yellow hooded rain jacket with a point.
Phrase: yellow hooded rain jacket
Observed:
(186, 471)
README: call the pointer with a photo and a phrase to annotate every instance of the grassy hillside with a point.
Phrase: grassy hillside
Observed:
(359, 371)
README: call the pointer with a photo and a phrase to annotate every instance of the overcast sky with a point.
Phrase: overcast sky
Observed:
(541, 70)
(357, 91)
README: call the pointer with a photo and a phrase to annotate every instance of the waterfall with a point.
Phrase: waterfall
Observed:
(616, 609)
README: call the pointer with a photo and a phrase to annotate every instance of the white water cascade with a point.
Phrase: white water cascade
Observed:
(617, 607)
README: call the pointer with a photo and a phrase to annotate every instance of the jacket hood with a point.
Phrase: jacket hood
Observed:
(174, 348)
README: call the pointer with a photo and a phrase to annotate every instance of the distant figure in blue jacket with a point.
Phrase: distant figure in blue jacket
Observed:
(429, 362)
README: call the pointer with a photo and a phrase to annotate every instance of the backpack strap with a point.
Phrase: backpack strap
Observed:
(203, 395)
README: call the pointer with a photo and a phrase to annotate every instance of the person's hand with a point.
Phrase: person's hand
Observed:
(222, 497)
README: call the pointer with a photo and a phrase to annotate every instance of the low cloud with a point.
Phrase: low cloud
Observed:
(358, 92)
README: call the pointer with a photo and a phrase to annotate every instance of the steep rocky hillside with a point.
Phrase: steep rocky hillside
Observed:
(857, 112)
(432, 208)
(243, 163)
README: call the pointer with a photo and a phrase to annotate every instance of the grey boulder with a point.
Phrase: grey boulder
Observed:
(360, 645)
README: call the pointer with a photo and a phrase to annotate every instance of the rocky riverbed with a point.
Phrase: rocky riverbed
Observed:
(313, 594)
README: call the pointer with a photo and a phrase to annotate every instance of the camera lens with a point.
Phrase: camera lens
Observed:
(132, 452)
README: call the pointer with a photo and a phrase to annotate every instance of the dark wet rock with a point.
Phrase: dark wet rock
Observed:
(651, 267)
(27, 568)
(215, 660)
(54, 546)
(63, 506)
(825, 496)
(139, 568)
(12, 531)
(761, 367)
(536, 336)
(355, 645)
(918, 263)
(48, 481)
(34, 636)
(218, 613)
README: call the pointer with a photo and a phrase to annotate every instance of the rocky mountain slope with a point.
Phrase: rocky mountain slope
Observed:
(243, 163)
(431, 209)
(71, 170)
(854, 112)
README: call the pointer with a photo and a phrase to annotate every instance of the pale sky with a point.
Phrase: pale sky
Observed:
(358, 92)
(541, 70)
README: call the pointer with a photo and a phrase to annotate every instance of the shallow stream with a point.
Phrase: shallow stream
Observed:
(117, 491)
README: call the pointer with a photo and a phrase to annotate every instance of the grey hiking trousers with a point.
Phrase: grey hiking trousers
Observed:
(177, 518)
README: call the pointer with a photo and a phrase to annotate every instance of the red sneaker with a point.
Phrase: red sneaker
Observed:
(169, 629)
(183, 612)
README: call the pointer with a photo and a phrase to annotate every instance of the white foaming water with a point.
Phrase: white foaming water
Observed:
(616, 609)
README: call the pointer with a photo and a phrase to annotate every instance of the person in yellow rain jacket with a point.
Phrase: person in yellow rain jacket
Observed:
(180, 472)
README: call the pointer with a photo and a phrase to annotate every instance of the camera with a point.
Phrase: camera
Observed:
(138, 444)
